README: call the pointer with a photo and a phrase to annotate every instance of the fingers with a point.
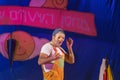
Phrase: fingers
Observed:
(56, 56)
(69, 41)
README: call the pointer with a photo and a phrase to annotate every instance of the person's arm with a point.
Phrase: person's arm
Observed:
(70, 56)
(44, 58)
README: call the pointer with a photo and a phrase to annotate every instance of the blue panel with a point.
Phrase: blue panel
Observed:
(89, 50)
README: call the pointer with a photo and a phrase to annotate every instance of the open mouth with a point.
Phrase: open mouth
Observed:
(60, 43)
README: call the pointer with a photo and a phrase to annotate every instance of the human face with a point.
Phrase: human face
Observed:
(58, 39)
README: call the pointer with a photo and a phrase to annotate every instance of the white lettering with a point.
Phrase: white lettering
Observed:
(50, 19)
(76, 22)
(32, 18)
(42, 18)
(83, 25)
(13, 15)
(22, 15)
(2, 14)
(68, 21)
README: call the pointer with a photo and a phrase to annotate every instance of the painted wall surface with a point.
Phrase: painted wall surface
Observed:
(89, 50)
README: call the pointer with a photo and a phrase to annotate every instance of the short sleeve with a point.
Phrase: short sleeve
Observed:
(46, 49)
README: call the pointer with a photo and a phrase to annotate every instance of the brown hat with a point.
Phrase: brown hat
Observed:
(57, 30)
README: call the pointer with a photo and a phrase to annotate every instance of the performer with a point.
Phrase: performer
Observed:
(52, 56)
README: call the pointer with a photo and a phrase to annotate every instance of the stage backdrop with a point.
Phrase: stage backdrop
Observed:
(101, 38)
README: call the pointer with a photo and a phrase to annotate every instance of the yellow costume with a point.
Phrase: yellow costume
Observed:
(57, 70)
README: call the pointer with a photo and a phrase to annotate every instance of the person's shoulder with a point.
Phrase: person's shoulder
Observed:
(47, 44)
(46, 49)
(62, 50)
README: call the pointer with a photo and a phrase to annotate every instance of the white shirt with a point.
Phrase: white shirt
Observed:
(48, 50)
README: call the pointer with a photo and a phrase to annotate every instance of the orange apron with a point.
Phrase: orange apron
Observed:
(57, 71)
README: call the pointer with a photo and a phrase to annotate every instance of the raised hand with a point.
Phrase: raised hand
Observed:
(56, 56)
(69, 42)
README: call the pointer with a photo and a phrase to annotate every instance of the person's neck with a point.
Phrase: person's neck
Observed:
(53, 44)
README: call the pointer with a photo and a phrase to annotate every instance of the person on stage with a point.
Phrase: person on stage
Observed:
(52, 56)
